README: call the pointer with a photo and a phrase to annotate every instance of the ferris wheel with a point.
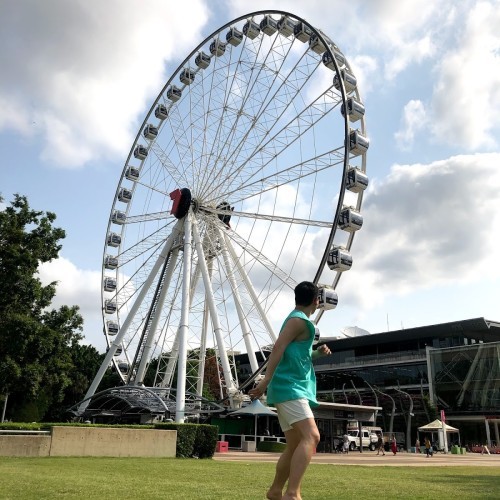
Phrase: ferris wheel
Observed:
(245, 178)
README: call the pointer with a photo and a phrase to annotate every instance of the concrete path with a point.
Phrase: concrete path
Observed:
(371, 459)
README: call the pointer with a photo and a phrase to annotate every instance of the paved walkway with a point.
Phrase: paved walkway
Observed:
(371, 459)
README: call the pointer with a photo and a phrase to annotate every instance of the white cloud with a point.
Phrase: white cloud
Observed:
(414, 119)
(425, 226)
(89, 68)
(77, 287)
(466, 100)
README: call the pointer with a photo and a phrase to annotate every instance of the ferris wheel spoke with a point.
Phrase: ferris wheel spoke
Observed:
(264, 154)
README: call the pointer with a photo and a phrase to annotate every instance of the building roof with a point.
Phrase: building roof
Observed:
(479, 328)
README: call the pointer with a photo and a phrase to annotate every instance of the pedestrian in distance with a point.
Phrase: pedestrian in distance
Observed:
(290, 382)
(428, 448)
(417, 445)
(394, 445)
(380, 444)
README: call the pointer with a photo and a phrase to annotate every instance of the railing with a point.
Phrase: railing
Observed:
(371, 359)
(9, 431)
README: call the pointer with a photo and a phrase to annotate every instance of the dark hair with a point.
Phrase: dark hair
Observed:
(305, 293)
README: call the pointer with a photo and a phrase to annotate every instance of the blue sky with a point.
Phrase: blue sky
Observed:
(78, 78)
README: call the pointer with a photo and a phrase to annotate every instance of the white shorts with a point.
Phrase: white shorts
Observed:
(290, 412)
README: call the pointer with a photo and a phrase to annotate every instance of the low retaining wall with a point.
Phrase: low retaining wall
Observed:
(25, 446)
(68, 441)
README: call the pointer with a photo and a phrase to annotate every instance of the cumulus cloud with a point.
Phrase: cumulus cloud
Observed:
(466, 99)
(89, 69)
(77, 287)
(414, 119)
(427, 225)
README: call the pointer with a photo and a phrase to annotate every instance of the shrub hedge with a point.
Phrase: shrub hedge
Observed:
(271, 446)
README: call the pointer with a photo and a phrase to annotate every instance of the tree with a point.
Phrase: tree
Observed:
(35, 342)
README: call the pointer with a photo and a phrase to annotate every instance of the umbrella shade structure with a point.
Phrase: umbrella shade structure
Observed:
(437, 426)
(257, 409)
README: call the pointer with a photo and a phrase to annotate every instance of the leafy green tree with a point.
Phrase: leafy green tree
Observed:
(35, 342)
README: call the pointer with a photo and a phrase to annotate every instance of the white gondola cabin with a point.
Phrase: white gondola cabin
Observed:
(140, 152)
(286, 26)
(118, 351)
(150, 132)
(317, 45)
(357, 180)
(350, 220)
(355, 109)
(328, 59)
(124, 195)
(109, 306)
(339, 259)
(174, 93)
(217, 48)
(349, 80)
(251, 29)
(268, 25)
(358, 144)
(132, 174)
(123, 367)
(302, 32)
(118, 217)
(114, 240)
(234, 36)
(109, 284)
(112, 327)
(161, 112)
(110, 262)
(202, 60)
(187, 76)
(328, 298)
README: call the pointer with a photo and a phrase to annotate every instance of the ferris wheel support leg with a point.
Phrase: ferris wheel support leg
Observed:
(203, 343)
(133, 310)
(139, 378)
(231, 388)
(184, 324)
(250, 288)
(245, 327)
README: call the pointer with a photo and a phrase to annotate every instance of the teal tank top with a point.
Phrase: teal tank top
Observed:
(294, 376)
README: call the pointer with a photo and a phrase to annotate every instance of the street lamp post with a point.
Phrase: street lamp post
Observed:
(408, 422)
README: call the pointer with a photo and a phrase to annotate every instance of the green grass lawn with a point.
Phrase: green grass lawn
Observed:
(175, 479)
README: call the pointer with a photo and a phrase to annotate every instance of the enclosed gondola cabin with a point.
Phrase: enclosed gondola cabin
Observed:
(112, 328)
(234, 36)
(110, 262)
(109, 284)
(268, 25)
(118, 217)
(114, 240)
(349, 80)
(123, 367)
(140, 152)
(109, 306)
(339, 259)
(328, 298)
(286, 26)
(174, 93)
(202, 60)
(217, 48)
(161, 112)
(302, 32)
(328, 59)
(118, 351)
(358, 144)
(355, 109)
(251, 29)
(187, 76)
(350, 220)
(132, 174)
(150, 132)
(357, 180)
(124, 195)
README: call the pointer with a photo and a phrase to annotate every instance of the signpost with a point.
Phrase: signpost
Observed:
(445, 437)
